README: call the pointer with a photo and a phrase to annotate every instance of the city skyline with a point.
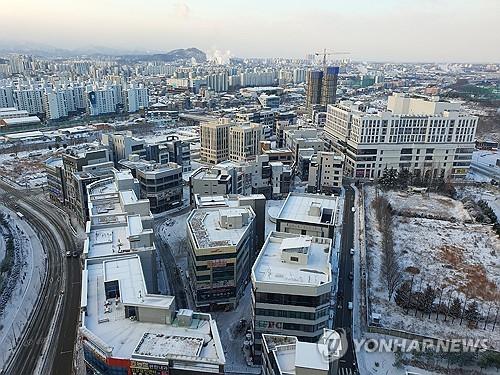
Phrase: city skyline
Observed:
(404, 31)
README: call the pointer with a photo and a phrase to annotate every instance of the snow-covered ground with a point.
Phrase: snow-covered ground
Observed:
(486, 192)
(444, 251)
(27, 287)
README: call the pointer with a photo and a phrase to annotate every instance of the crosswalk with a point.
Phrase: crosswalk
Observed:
(346, 371)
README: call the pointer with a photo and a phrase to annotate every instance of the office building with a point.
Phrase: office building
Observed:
(214, 138)
(325, 173)
(244, 141)
(222, 242)
(308, 214)
(161, 184)
(297, 139)
(286, 355)
(430, 137)
(256, 201)
(126, 328)
(208, 181)
(291, 287)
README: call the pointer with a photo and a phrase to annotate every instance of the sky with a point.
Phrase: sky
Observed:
(374, 30)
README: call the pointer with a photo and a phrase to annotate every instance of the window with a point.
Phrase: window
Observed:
(294, 259)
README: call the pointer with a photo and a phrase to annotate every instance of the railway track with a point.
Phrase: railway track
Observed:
(56, 238)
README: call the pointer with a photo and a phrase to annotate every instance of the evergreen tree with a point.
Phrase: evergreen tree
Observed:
(456, 308)
(404, 178)
(472, 314)
(403, 295)
(427, 299)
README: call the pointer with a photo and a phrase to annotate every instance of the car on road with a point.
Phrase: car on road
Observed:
(352, 251)
(351, 276)
(349, 305)
(68, 254)
(353, 209)
(75, 254)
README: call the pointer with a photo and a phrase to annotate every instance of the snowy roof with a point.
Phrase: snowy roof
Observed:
(270, 267)
(117, 336)
(207, 230)
(309, 208)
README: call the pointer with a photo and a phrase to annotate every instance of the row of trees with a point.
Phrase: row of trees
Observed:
(488, 211)
(401, 179)
(441, 361)
(424, 302)
(390, 269)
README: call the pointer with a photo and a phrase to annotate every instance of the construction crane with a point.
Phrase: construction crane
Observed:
(329, 53)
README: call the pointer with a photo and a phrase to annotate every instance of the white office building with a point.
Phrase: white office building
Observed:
(291, 287)
(428, 136)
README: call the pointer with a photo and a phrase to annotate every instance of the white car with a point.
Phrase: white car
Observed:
(349, 305)
(352, 251)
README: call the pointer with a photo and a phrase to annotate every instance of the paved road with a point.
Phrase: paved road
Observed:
(52, 229)
(174, 277)
(345, 288)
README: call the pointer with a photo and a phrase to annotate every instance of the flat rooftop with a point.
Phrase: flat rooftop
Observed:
(309, 208)
(204, 173)
(271, 268)
(207, 230)
(122, 337)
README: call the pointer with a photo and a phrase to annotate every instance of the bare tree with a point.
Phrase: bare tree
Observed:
(390, 270)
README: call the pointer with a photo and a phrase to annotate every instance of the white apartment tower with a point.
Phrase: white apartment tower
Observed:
(137, 97)
(430, 137)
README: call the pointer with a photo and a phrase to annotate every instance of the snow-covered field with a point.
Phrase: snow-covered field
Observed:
(434, 236)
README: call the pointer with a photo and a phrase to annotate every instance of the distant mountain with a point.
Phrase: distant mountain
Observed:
(39, 49)
(174, 55)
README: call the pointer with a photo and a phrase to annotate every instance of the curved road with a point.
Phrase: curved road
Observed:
(61, 286)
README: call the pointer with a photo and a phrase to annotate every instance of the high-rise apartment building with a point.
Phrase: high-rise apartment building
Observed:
(428, 136)
(321, 88)
(137, 97)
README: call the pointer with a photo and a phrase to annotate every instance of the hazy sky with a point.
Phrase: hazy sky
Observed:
(396, 30)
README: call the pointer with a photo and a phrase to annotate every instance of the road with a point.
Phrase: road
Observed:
(343, 317)
(56, 237)
(174, 278)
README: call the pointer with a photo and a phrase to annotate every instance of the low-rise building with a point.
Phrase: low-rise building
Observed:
(325, 173)
(208, 181)
(291, 287)
(160, 183)
(126, 328)
(256, 201)
(286, 355)
(308, 214)
(222, 242)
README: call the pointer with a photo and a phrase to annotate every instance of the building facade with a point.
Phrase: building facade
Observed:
(429, 137)
(222, 242)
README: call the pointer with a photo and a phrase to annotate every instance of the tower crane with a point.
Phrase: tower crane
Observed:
(329, 53)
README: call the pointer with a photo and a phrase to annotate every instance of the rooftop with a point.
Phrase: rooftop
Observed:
(293, 260)
(224, 226)
(195, 339)
(309, 208)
